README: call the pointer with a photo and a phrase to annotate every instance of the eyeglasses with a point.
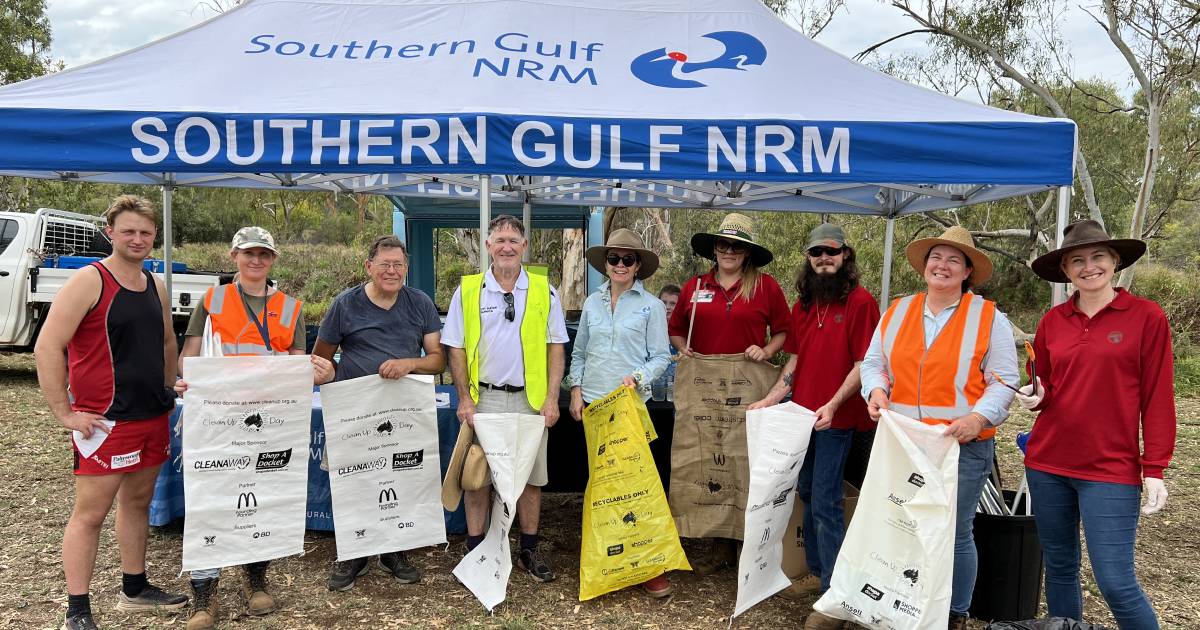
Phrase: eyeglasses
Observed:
(725, 247)
(628, 259)
(388, 266)
(510, 309)
(820, 250)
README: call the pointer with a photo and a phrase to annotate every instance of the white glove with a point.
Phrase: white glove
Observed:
(1156, 495)
(1026, 396)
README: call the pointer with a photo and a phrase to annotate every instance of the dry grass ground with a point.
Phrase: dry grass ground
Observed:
(36, 497)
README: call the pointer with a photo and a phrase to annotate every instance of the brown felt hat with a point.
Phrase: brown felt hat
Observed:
(623, 238)
(1083, 234)
(959, 238)
(468, 468)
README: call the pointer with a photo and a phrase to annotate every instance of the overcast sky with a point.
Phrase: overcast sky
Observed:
(86, 30)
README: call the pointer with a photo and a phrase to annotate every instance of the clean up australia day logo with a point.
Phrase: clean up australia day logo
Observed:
(676, 69)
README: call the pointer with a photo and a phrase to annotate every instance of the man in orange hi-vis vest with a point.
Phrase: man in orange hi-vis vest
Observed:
(935, 356)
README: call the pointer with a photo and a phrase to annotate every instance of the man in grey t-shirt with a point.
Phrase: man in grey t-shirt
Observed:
(381, 327)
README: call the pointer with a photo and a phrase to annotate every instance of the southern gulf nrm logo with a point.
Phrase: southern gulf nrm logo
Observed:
(675, 69)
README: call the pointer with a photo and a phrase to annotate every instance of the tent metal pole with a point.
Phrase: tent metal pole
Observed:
(888, 237)
(168, 194)
(527, 219)
(485, 217)
(1058, 293)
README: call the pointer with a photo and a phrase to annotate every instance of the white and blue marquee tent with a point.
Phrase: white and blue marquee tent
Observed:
(689, 103)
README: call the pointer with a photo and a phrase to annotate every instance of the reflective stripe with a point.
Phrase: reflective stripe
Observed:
(247, 349)
(289, 308)
(218, 300)
(965, 351)
(899, 311)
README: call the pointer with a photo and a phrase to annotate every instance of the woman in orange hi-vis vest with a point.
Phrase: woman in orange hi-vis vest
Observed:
(943, 356)
(252, 318)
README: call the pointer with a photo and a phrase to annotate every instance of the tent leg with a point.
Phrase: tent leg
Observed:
(1058, 293)
(527, 219)
(885, 291)
(485, 217)
(168, 193)
(595, 236)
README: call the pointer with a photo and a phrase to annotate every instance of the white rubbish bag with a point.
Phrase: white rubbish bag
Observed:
(245, 458)
(384, 466)
(510, 441)
(777, 440)
(896, 564)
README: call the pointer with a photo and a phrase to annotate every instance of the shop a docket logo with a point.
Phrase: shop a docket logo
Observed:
(273, 460)
(673, 69)
(872, 592)
(409, 459)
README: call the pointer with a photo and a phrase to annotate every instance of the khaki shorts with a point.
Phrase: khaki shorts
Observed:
(492, 401)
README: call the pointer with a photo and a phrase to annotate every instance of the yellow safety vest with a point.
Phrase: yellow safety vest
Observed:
(534, 323)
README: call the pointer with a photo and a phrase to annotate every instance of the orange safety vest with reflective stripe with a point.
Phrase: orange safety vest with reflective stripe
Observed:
(239, 335)
(944, 381)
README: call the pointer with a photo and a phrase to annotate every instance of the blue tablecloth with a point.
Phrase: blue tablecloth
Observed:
(167, 504)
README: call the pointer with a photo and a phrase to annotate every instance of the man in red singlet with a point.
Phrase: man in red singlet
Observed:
(108, 336)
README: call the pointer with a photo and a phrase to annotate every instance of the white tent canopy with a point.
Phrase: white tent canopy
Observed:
(703, 103)
(690, 103)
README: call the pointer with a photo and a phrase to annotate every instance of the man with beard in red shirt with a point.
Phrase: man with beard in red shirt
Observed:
(831, 326)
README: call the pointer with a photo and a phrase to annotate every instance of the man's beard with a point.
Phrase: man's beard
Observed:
(828, 287)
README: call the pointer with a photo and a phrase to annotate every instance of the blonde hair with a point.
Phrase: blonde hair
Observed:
(750, 279)
(130, 203)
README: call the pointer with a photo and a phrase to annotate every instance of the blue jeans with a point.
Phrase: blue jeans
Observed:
(974, 466)
(1109, 512)
(820, 488)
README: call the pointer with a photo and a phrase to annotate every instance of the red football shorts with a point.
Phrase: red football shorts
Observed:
(132, 445)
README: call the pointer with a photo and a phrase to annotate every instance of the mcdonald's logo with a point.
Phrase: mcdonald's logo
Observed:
(387, 495)
(247, 500)
(718, 459)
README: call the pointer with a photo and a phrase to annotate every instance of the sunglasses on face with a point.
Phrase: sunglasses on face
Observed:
(628, 260)
(820, 250)
(725, 247)
(510, 310)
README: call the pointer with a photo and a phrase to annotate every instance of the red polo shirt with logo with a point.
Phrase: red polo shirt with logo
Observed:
(828, 340)
(1107, 379)
(726, 323)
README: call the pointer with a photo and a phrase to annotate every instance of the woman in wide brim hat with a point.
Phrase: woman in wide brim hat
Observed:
(622, 338)
(1104, 377)
(959, 238)
(732, 309)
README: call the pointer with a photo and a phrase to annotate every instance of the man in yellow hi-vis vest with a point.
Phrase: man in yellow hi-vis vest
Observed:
(505, 330)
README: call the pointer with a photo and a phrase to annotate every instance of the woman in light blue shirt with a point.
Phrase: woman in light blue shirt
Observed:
(622, 338)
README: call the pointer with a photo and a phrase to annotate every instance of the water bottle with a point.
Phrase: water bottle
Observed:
(671, 386)
(658, 388)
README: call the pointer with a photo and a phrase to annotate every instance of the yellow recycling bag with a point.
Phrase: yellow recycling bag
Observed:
(629, 534)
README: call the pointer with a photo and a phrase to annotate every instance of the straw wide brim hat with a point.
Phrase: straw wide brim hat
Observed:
(1083, 234)
(623, 238)
(734, 227)
(958, 238)
(468, 468)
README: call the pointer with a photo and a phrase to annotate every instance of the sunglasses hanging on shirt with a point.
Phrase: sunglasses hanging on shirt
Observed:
(510, 309)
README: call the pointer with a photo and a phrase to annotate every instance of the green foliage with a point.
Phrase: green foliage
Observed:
(1178, 293)
(24, 40)
(1187, 376)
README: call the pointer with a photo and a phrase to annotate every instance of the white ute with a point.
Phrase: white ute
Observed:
(27, 240)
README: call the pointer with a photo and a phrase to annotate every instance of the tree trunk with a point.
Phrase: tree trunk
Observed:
(1150, 170)
(573, 288)
(468, 242)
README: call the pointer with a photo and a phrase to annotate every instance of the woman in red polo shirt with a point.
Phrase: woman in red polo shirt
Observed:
(734, 308)
(1106, 375)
